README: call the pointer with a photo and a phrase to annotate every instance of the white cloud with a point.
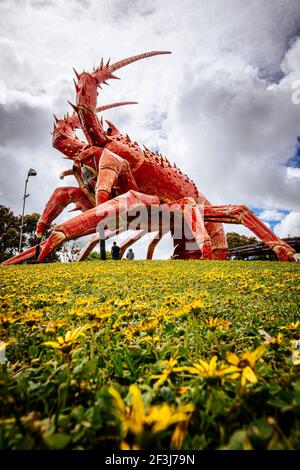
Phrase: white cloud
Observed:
(271, 215)
(293, 172)
(238, 130)
(290, 226)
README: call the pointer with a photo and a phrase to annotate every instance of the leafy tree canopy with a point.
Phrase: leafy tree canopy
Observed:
(10, 226)
(235, 239)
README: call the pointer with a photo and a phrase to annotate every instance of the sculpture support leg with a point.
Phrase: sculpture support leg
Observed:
(88, 221)
(188, 208)
(216, 233)
(130, 241)
(31, 252)
(88, 248)
(240, 214)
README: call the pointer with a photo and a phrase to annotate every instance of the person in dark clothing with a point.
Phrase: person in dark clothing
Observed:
(115, 251)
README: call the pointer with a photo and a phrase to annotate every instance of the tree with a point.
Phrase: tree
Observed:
(29, 235)
(9, 233)
(70, 251)
(235, 239)
(29, 227)
(10, 226)
(94, 255)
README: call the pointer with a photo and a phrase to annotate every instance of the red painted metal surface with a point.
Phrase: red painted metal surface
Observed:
(115, 175)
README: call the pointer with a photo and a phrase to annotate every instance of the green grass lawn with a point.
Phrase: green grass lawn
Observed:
(150, 354)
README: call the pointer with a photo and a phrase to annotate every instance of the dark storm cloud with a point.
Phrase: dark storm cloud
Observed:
(24, 126)
(25, 142)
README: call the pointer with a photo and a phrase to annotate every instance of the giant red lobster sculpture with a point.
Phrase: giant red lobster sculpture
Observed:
(115, 176)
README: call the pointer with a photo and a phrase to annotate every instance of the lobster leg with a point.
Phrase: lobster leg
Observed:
(31, 252)
(88, 221)
(88, 248)
(22, 257)
(240, 214)
(193, 224)
(130, 241)
(112, 169)
(219, 245)
(61, 198)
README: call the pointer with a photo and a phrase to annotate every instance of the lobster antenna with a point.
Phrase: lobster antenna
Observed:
(129, 60)
(114, 105)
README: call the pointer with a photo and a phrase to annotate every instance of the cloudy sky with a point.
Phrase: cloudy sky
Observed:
(225, 106)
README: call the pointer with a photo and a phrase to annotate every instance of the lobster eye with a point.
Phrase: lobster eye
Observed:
(109, 131)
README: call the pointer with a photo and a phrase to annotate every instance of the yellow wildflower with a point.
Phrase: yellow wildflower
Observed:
(4, 344)
(182, 390)
(65, 343)
(32, 317)
(178, 434)
(125, 446)
(160, 417)
(213, 323)
(198, 303)
(291, 326)
(136, 419)
(149, 324)
(245, 367)
(149, 339)
(208, 370)
(252, 357)
(52, 325)
(7, 320)
(168, 369)
(296, 357)
(91, 299)
(271, 340)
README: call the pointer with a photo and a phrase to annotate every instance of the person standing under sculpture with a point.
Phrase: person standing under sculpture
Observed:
(115, 251)
(130, 254)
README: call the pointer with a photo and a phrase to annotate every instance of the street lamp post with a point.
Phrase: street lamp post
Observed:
(102, 242)
(31, 172)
